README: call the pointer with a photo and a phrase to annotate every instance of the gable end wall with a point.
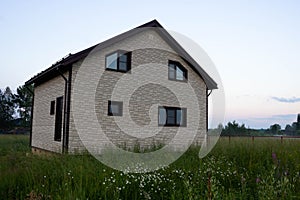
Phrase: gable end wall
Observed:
(142, 46)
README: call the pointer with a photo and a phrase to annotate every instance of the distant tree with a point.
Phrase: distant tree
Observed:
(295, 130)
(275, 129)
(7, 108)
(289, 130)
(298, 122)
(23, 101)
(294, 126)
(220, 126)
(216, 131)
(234, 129)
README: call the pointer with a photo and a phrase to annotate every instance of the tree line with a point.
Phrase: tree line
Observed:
(15, 108)
(15, 111)
(235, 129)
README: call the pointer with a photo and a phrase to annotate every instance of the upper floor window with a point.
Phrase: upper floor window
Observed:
(52, 108)
(177, 71)
(171, 116)
(118, 61)
(115, 108)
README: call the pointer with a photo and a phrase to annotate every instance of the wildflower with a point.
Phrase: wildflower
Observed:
(274, 156)
(257, 180)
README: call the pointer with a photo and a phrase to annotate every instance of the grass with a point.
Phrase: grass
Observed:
(235, 169)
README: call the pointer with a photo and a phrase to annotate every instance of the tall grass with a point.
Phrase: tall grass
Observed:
(239, 169)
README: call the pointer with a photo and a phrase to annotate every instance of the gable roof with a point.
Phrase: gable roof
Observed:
(66, 62)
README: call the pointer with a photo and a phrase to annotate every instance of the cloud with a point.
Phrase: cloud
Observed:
(286, 100)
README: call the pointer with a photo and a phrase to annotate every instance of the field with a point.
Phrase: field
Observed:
(266, 168)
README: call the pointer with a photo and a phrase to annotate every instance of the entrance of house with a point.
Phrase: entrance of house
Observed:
(58, 118)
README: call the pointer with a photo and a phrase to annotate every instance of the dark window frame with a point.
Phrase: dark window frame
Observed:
(58, 119)
(120, 110)
(180, 66)
(52, 107)
(168, 109)
(119, 54)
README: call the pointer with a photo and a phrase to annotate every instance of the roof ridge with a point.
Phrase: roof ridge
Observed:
(72, 58)
(153, 23)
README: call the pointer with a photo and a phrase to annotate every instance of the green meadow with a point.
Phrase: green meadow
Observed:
(239, 168)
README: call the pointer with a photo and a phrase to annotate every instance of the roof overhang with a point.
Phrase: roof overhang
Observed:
(65, 63)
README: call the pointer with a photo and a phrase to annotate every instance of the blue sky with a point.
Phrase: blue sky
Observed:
(255, 45)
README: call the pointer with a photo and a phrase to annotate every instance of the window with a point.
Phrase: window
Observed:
(177, 71)
(115, 108)
(58, 119)
(171, 116)
(52, 107)
(118, 61)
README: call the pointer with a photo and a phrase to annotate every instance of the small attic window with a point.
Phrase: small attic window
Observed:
(177, 72)
(118, 61)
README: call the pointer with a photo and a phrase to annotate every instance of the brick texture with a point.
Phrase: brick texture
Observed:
(147, 48)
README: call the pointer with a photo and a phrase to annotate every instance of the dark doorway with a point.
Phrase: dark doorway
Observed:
(58, 118)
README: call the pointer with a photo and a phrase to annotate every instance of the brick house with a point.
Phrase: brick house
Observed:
(53, 125)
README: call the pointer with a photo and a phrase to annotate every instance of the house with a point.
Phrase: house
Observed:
(62, 96)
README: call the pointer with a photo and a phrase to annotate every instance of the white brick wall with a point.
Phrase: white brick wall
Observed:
(43, 123)
(146, 47)
(142, 46)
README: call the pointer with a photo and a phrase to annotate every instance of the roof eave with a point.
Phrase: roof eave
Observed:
(210, 83)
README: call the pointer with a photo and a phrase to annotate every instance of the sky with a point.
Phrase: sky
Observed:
(255, 45)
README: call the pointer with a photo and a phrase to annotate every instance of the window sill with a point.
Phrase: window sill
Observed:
(168, 125)
(182, 81)
(115, 70)
(117, 115)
